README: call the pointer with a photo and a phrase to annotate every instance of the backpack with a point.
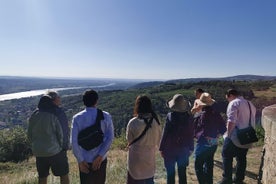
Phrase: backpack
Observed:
(92, 136)
(177, 128)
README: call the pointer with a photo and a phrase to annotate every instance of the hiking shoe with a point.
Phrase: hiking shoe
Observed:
(238, 182)
(225, 181)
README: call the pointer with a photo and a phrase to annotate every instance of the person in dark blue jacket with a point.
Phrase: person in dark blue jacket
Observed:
(177, 140)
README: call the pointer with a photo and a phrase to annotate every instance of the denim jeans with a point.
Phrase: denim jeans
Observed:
(229, 151)
(204, 162)
(182, 161)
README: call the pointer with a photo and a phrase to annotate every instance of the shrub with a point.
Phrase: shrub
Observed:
(260, 133)
(120, 142)
(14, 145)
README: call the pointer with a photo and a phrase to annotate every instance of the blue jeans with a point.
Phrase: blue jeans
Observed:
(229, 151)
(204, 162)
(182, 161)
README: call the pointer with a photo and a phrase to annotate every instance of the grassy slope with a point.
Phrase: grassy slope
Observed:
(116, 172)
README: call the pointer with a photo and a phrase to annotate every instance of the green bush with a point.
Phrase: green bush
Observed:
(120, 142)
(260, 133)
(14, 145)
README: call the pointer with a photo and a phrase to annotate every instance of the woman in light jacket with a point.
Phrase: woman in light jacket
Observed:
(142, 146)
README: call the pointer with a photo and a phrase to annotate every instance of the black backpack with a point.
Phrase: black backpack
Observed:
(92, 136)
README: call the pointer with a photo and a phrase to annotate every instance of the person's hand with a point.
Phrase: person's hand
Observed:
(162, 154)
(96, 164)
(84, 167)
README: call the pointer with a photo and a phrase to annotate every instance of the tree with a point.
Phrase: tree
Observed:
(14, 145)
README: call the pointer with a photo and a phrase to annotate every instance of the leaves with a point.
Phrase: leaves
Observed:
(14, 145)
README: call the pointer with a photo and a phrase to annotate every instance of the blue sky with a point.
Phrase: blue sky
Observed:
(137, 39)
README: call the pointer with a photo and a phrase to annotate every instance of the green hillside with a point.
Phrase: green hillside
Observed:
(119, 103)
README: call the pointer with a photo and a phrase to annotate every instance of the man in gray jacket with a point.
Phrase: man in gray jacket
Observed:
(46, 137)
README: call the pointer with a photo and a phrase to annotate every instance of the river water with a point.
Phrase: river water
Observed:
(31, 93)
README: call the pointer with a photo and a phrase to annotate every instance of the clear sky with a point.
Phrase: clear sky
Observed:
(137, 39)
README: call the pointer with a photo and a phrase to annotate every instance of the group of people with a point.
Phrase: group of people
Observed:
(48, 132)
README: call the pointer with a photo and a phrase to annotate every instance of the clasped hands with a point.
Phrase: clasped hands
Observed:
(96, 164)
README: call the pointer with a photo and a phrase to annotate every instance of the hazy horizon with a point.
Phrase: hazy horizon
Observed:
(126, 79)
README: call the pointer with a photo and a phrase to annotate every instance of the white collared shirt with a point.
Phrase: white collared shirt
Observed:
(238, 112)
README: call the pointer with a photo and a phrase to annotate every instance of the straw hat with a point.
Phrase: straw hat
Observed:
(178, 103)
(206, 99)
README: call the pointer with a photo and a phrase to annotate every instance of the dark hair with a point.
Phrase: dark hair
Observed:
(90, 98)
(199, 90)
(52, 94)
(232, 92)
(46, 104)
(142, 105)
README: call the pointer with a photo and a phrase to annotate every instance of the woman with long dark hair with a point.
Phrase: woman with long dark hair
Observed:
(143, 135)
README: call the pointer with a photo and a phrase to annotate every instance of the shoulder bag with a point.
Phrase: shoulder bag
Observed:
(92, 136)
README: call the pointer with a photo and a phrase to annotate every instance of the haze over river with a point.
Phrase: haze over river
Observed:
(31, 93)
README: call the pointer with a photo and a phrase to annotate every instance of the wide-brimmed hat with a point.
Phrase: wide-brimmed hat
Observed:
(178, 103)
(206, 99)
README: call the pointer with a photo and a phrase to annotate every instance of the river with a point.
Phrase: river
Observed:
(31, 93)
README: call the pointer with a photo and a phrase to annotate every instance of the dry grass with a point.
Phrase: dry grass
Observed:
(25, 173)
(252, 169)
(270, 93)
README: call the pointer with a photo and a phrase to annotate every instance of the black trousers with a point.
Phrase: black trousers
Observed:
(94, 177)
(229, 151)
(131, 180)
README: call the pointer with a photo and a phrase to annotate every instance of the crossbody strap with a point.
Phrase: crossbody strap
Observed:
(250, 113)
(99, 118)
(148, 125)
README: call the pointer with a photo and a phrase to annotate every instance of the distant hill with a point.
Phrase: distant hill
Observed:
(147, 84)
(10, 84)
(194, 80)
